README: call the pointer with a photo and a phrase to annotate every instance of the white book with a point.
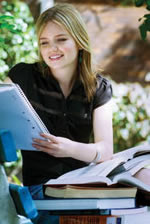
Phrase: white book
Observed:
(139, 218)
(19, 117)
(129, 211)
(83, 204)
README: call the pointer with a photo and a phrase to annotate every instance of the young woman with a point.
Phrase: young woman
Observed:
(71, 99)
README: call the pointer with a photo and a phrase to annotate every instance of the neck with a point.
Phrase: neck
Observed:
(66, 78)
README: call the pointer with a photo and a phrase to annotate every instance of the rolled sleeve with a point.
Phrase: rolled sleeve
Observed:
(103, 93)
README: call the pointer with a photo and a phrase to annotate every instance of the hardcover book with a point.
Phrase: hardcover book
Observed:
(92, 219)
(85, 191)
(114, 212)
(84, 203)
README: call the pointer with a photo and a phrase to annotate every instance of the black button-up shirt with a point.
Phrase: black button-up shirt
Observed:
(69, 117)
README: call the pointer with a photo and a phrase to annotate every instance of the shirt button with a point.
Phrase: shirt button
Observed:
(85, 115)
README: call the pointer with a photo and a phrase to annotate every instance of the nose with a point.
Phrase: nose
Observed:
(53, 47)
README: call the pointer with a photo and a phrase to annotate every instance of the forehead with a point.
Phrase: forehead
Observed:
(53, 29)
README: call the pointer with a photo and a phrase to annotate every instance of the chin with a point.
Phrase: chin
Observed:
(57, 66)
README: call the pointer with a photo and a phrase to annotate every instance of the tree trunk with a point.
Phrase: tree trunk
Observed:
(46, 4)
(38, 6)
(34, 6)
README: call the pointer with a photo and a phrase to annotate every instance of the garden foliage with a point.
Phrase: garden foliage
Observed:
(17, 35)
(131, 115)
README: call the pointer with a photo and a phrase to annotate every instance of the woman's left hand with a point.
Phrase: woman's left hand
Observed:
(54, 146)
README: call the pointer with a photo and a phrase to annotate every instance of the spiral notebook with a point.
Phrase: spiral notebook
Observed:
(19, 117)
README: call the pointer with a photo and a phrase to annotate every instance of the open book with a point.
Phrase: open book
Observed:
(19, 117)
(119, 169)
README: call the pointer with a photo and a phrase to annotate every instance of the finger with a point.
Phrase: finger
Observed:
(44, 149)
(50, 137)
(44, 143)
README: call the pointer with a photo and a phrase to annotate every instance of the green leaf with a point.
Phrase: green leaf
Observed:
(5, 25)
(3, 45)
(138, 3)
(147, 16)
(148, 8)
(2, 40)
(148, 3)
(11, 27)
(6, 17)
(16, 180)
(147, 24)
(143, 31)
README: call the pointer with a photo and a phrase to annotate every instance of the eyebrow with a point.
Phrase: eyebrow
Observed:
(59, 35)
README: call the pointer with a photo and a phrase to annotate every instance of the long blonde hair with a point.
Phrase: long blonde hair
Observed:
(66, 15)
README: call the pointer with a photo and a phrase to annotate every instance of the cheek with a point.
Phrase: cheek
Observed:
(67, 48)
(71, 49)
(43, 53)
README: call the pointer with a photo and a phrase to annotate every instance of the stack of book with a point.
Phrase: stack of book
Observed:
(104, 193)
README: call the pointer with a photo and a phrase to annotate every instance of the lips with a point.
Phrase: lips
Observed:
(55, 57)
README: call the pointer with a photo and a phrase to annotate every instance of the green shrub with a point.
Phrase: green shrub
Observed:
(131, 115)
(17, 43)
(17, 36)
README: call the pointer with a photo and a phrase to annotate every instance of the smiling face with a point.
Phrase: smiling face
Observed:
(57, 47)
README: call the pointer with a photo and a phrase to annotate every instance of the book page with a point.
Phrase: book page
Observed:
(131, 152)
(138, 167)
(84, 180)
(89, 174)
(130, 164)
(133, 162)
(101, 169)
(126, 178)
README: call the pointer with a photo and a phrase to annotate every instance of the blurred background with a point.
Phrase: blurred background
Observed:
(119, 33)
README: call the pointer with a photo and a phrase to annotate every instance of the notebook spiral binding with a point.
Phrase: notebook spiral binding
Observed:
(31, 108)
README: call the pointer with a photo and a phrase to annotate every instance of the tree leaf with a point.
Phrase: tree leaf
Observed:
(139, 3)
(147, 24)
(147, 16)
(143, 31)
(2, 40)
(11, 27)
(148, 8)
(5, 17)
(148, 3)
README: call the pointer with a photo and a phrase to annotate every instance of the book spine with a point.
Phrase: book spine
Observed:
(89, 219)
(113, 220)
(81, 212)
